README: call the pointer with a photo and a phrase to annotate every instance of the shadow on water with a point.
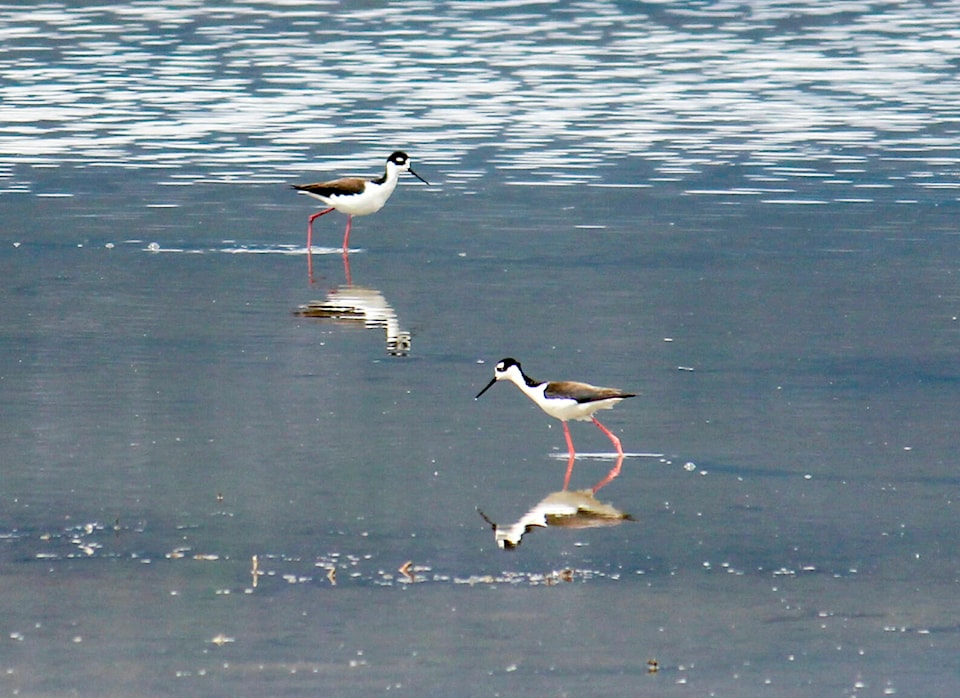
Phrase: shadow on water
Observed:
(353, 304)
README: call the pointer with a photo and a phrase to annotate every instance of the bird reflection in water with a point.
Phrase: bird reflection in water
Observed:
(349, 303)
(566, 509)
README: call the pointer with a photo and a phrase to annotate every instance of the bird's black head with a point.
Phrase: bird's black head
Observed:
(402, 162)
(504, 364)
(501, 372)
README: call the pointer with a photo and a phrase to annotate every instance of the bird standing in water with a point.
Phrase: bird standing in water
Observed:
(564, 400)
(356, 196)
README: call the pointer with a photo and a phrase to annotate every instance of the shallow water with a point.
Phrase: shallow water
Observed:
(745, 214)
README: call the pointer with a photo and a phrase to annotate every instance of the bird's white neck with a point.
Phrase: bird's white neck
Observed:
(390, 177)
(532, 390)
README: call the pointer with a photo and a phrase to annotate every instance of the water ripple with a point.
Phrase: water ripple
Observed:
(787, 92)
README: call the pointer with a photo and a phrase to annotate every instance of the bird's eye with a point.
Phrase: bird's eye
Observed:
(501, 366)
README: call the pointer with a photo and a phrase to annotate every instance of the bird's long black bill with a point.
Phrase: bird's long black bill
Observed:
(492, 381)
(410, 170)
(487, 519)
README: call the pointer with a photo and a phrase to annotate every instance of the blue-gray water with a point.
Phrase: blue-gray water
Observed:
(746, 213)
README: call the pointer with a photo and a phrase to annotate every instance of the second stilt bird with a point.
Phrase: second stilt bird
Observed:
(356, 196)
(563, 400)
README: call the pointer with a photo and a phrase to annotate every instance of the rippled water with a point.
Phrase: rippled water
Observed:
(227, 472)
(844, 101)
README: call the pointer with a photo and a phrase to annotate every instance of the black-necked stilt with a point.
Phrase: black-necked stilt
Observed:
(564, 400)
(356, 196)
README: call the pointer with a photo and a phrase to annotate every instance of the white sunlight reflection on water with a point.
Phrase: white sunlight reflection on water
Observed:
(535, 91)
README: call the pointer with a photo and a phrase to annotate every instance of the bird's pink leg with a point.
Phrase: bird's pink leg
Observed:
(346, 235)
(310, 226)
(573, 456)
(614, 471)
(614, 439)
(616, 468)
(310, 242)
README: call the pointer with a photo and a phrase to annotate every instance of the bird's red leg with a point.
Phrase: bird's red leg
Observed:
(614, 439)
(573, 456)
(310, 241)
(616, 468)
(346, 235)
(310, 225)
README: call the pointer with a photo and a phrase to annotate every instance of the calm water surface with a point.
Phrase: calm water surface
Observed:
(222, 477)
